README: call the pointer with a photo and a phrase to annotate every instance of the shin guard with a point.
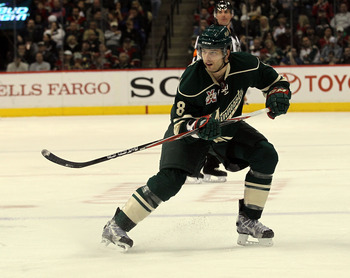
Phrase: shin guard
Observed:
(257, 188)
(137, 208)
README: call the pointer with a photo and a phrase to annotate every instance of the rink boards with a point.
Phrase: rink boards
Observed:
(151, 91)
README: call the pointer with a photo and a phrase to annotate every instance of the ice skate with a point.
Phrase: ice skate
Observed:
(253, 229)
(213, 175)
(196, 179)
(112, 233)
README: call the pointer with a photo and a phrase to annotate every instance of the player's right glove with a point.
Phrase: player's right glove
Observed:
(278, 101)
(209, 128)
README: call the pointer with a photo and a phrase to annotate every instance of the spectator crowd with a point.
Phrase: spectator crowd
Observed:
(112, 34)
(284, 32)
(83, 34)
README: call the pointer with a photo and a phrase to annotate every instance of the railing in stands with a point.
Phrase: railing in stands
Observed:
(165, 43)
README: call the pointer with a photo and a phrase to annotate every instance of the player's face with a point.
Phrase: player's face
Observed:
(212, 58)
(224, 17)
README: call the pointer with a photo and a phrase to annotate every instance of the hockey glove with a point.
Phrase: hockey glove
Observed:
(278, 101)
(209, 128)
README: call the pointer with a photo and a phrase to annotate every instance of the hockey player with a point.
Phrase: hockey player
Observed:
(223, 14)
(211, 90)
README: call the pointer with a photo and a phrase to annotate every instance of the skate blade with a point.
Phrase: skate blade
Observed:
(123, 247)
(191, 180)
(120, 246)
(246, 240)
(105, 242)
(213, 179)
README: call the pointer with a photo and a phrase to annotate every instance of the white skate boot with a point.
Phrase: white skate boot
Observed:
(214, 175)
(211, 170)
(195, 179)
(112, 233)
(246, 227)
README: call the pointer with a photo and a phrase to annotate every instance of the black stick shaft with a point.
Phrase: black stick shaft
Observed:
(55, 159)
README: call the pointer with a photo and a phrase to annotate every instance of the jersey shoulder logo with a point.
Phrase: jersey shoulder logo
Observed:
(224, 88)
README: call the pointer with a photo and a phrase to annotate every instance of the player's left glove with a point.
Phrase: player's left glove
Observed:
(208, 127)
(278, 101)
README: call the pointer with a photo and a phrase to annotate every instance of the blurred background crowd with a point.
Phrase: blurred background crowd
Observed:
(283, 32)
(113, 34)
(68, 35)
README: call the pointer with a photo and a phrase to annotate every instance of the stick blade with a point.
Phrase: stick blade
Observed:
(60, 161)
(45, 153)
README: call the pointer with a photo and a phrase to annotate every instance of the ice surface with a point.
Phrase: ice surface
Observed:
(51, 217)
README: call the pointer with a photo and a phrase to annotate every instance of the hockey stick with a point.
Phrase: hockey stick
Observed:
(55, 159)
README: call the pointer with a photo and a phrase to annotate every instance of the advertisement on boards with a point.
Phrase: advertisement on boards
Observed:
(313, 84)
(321, 84)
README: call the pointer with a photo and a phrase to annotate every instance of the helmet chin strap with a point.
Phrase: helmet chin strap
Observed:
(223, 65)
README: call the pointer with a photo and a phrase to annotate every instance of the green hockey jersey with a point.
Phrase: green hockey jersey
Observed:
(199, 94)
